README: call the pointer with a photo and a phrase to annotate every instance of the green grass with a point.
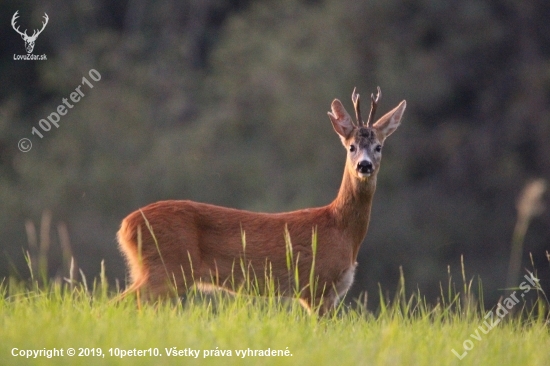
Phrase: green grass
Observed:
(405, 331)
(40, 315)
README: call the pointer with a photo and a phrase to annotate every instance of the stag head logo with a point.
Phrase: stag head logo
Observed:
(29, 40)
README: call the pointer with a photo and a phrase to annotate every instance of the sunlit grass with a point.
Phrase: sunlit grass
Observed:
(404, 330)
(222, 329)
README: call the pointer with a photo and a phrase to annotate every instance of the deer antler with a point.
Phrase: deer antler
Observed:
(355, 100)
(43, 26)
(24, 34)
(374, 104)
(13, 19)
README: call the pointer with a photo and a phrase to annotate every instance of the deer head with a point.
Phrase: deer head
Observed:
(364, 142)
(29, 40)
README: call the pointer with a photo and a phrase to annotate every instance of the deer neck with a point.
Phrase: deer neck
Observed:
(352, 207)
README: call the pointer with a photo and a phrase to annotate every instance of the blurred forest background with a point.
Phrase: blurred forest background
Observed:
(225, 101)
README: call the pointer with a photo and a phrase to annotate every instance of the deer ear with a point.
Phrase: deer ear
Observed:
(390, 121)
(341, 120)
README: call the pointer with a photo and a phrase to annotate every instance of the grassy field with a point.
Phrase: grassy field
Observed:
(53, 323)
(221, 329)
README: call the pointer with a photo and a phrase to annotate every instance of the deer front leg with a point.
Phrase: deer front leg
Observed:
(324, 306)
(328, 300)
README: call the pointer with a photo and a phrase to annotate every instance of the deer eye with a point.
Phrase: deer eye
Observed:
(351, 148)
(378, 148)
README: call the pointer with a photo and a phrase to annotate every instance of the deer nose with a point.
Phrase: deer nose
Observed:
(364, 167)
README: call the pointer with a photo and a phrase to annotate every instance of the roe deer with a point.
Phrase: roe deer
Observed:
(172, 245)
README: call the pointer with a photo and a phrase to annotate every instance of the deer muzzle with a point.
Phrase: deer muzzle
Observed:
(364, 167)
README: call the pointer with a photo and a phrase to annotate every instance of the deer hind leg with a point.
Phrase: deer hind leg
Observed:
(156, 285)
(170, 274)
(169, 282)
(135, 287)
(154, 278)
